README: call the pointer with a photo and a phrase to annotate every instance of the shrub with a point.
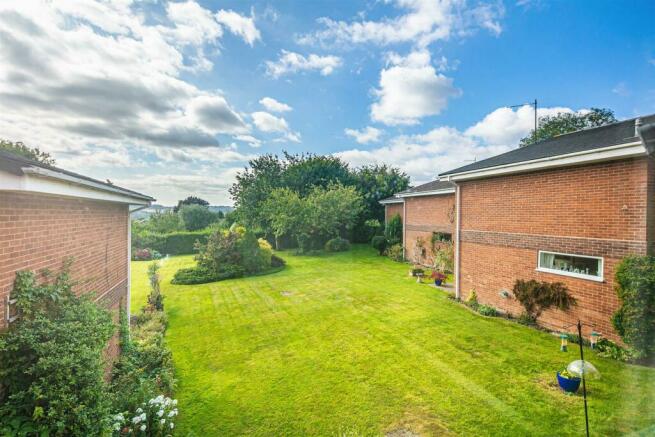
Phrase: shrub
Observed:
(155, 298)
(51, 360)
(395, 252)
(276, 261)
(337, 245)
(201, 275)
(145, 255)
(379, 243)
(487, 310)
(536, 297)
(154, 418)
(394, 230)
(472, 297)
(635, 318)
(444, 259)
(174, 243)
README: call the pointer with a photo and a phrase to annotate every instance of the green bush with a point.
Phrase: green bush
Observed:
(201, 275)
(196, 217)
(155, 298)
(337, 245)
(487, 310)
(395, 252)
(394, 230)
(51, 360)
(276, 261)
(173, 243)
(536, 297)
(379, 243)
(635, 318)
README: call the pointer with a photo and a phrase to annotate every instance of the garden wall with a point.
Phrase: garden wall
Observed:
(596, 210)
(39, 231)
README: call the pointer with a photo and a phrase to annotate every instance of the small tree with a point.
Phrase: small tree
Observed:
(33, 153)
(536, 297)
(155, 298)
(196, 217)
(379, 243)
(444, 257)
(394, 230)
(635, 319)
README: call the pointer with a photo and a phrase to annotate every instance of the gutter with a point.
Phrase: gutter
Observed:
(427, 193)
(458, 209)
(42, 172)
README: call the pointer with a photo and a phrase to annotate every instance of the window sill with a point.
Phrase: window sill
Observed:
(570, 274)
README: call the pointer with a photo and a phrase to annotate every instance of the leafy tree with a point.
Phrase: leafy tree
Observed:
(303, 173)
(285, 212)
(333, 209)
(191, 200)
(196, 217)
(562, 123)
(51, 359)
(33, 153)
(163, 222)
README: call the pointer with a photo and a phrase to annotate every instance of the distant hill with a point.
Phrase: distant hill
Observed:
(145, 213)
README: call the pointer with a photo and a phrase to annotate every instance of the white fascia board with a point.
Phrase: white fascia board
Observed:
(621, 151)
(41, 182)
(390, 201)
(428, 193)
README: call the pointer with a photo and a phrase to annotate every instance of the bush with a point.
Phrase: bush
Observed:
(173, 243)
(536, 297)
(51, 360)
(154, 418)
(155, 298)
(337, 245)
(394, 230)
(145, 255)
(444, 258)
(276, 261)
(379, 243)
(635, 318)
(487, 310)
(395, 252)
(201, 275)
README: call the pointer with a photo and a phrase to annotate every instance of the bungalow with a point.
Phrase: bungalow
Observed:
(48, 214)
(566, 209)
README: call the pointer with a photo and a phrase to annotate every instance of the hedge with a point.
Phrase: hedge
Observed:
(174, 243)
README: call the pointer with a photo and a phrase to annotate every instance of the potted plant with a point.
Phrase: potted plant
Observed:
(439, 278)
(568, 382)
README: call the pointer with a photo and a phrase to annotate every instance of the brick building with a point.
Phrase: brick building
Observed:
(48, 214)
(567, 209)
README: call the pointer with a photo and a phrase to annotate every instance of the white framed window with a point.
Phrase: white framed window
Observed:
(578, 266)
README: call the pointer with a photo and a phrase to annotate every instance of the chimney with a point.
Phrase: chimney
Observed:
(638, 124)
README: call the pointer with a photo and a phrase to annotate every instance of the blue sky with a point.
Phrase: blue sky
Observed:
(173, 98)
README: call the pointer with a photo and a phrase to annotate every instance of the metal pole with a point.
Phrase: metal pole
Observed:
(584, 385)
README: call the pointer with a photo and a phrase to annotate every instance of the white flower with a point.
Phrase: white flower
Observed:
(143, 416)
(174, 402)
(162, 421)
(136, 420)
(139, 411)
(160, 413)
(172, 425)
(117, 426)
(143, 428)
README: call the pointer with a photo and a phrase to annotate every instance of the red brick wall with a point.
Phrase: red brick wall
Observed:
(425, 215)
(39, 231)
(598, 210)
(392, 209)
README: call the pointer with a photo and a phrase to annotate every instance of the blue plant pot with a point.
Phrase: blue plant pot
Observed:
(438, 281)
(569, 385)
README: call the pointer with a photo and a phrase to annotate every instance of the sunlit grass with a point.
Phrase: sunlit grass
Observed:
(348, 344)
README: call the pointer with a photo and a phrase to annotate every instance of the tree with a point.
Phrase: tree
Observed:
(196, 217)
(332, 210)
(394, 230)
(285, 212)
(163, 222)
(33, 153)
(303, 173)
(565, 122)
(191, 200)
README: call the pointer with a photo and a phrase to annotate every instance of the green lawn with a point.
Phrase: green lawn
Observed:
(348, 344)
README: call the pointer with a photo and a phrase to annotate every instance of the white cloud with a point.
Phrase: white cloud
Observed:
(424, 156)
(508, 126)
(421, 23)
(411, 88)
(269, 123)
(82, 76)
(252, 141)
(240, 25)
(291, 62)
(364, 136)
(274, 106)
(621, 89)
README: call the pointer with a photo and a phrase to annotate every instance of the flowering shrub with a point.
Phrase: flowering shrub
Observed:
(154, 418)
(145, 255)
